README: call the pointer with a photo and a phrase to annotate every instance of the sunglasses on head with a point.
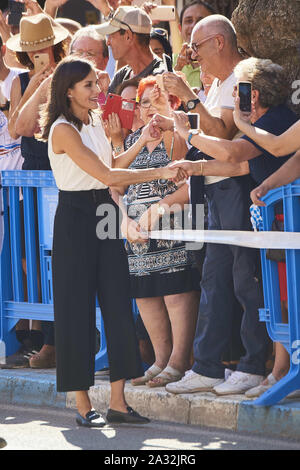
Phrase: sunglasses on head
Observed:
(160, 32)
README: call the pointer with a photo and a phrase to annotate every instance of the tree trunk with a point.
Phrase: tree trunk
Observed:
(223, 7)
(270, 29)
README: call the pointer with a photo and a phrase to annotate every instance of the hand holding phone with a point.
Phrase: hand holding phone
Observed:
(194, 120)
(40, 61)
(245, 96)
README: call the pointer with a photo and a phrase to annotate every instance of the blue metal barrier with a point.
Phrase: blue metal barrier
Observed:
(286, 333)
(35, 302)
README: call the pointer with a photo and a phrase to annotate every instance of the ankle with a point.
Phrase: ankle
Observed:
(117, 406)
(37, 339)
(83, 403)
(161, 363)
(279, 374)
(83, 410)
(178, 366)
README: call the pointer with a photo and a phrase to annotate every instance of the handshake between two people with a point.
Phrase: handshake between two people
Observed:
(179, 123)
(137, 231)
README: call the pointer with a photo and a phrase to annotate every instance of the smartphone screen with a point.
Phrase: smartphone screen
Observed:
(245, 96)
(194, 120)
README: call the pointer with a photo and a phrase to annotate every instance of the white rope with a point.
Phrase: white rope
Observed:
(261, 240)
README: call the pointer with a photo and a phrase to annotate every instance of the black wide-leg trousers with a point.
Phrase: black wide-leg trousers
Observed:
(83, 267)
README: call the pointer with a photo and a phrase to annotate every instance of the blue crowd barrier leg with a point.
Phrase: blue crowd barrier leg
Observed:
(8, 341)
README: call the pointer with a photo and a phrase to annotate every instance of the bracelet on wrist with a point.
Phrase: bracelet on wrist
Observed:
(118, 148)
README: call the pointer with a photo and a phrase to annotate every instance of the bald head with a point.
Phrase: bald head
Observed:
(214, 46)
(218, 24)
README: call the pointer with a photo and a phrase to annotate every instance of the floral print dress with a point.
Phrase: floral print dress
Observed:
(157, 267)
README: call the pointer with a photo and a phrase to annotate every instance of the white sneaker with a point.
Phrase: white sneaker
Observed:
(238, 382)
(193, 382)
(227, 373)
(260, 389)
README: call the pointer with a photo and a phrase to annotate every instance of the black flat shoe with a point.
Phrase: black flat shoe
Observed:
(92, 420)
(131, 417)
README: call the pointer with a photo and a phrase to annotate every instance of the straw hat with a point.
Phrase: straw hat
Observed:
(36, 32)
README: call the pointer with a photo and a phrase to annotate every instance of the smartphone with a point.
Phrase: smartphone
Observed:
(122, 107)
(160, 82)
(163, 13)
(16, 10)
(139, 3)
(194, 120)
(245, 90)
(40, 61)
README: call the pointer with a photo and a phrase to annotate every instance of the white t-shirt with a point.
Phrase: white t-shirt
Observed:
(218, 98)
(10, 152)
(6, 84)
(68, 175)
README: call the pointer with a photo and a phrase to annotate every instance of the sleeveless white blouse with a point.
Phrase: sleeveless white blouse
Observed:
(68, 175)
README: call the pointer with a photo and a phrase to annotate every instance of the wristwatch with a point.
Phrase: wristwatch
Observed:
(191, 135)
(191, 104)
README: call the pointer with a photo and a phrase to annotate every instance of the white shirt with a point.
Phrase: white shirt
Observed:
(5, 85)
(10, 152)
(68, 175)
(220, 97)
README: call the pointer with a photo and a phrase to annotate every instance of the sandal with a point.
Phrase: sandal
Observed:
(166, 376)
(150, 373)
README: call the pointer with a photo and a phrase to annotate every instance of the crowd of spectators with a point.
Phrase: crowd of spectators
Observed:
(199, 327)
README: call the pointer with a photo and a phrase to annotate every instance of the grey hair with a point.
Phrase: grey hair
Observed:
(266, 77)
(89, 32)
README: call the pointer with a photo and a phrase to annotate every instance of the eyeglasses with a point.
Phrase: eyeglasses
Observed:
(145, 104)
(160, 32)
(195, 46)
(88, 54)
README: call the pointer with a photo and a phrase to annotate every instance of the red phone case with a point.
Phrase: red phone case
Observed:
(123, 108)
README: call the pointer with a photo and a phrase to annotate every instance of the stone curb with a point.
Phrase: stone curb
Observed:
(37, 387)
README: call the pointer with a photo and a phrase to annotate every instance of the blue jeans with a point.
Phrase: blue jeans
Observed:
(229, 272)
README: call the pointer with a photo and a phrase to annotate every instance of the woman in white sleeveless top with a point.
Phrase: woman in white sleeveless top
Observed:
(85, 262)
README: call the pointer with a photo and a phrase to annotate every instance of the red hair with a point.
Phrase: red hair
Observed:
(150, 81)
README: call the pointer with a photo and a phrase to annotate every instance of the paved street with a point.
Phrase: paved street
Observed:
(26, 428)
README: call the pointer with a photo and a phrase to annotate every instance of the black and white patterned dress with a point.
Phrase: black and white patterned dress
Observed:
(157, 267)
